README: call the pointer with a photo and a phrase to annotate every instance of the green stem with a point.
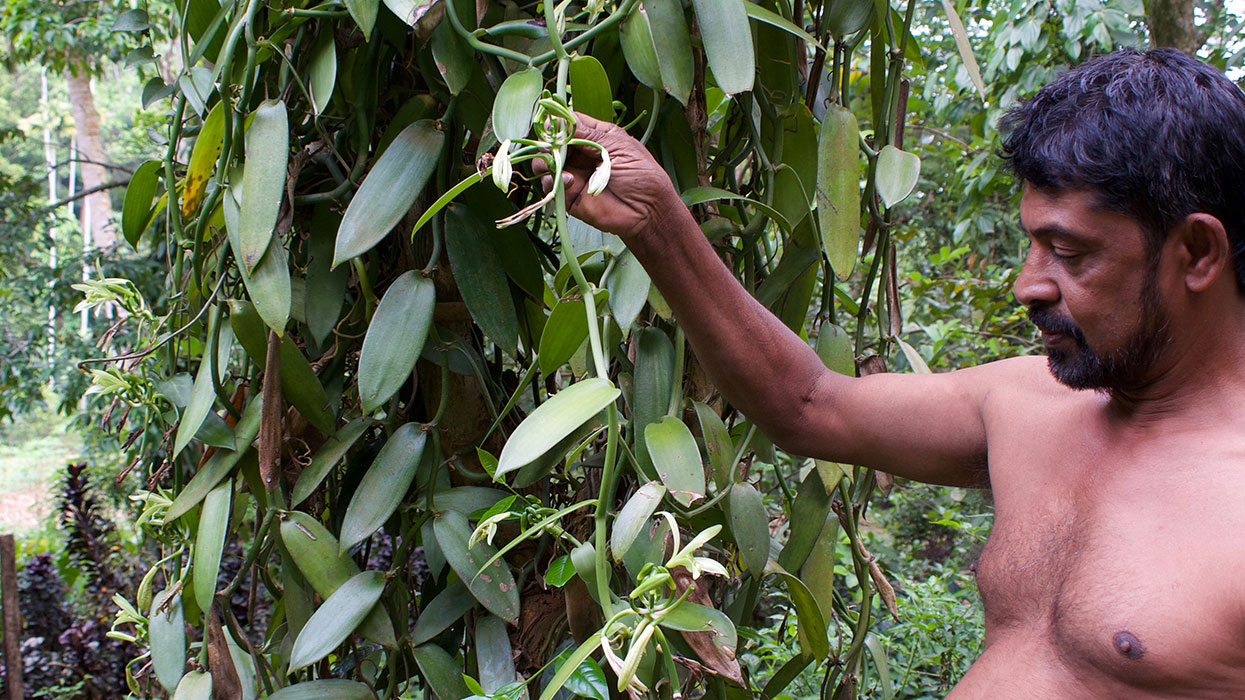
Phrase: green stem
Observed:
(605, 500)
(676, 390)
(587, 290)
(500, 51)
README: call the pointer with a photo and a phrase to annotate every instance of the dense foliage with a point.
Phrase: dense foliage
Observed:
(381, 446)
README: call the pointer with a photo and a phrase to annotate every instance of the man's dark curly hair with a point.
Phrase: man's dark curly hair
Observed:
(1156, 134)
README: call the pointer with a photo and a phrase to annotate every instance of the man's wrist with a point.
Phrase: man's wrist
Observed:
(669, 218)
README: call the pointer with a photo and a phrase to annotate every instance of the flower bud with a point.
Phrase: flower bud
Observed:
(601, 176)
(502, 169)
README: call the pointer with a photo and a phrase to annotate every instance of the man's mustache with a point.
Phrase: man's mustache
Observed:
(1046, 319)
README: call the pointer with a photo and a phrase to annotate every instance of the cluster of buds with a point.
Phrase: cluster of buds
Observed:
(554, 128)
(651, 600)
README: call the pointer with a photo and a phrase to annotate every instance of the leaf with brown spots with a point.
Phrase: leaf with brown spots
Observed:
(706, 644)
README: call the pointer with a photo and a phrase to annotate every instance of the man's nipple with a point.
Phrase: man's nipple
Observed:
(1128, 645)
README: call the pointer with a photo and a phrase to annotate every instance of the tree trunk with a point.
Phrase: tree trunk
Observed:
(1171, 24)
(91, 148)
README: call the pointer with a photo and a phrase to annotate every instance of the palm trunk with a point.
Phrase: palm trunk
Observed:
(91, 149)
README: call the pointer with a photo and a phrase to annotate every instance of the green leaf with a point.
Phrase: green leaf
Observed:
(570, 666)
(584, 558)
(565, 331)
(329, 689)
(203, 395)
(447, 608)
(203, 158)
(389, 189)
(654, 376)
(323, 70)
(454, 57)
(364, 14)
(838, 189)
(269, 284)
(760, 14)
(553, 420)
(878, 652)
(718, 444)
(337, 617)
(210, 542)
(591, 93)
(795, 179)
(728, 42)
(219, 465)
(516, 98)
(673, 44)
(327, 457)
(215, 432)
(812, 624)
(197, 85)
(677, 459)
(167, 633)
(395, 338)
(494, 587)
(628, 286)
(560, 571)
(384, 485)
(297, 595)
(302, 388)
(846, 17)
(834, 347)
(131, 21)
(409, 11)
(750, 525)
(787, 673)
(326, 287)
(481, 276)
(636, 37)
(633, 517)
(588, 681)
(466, 499)
(692, 617)
(964, 47)
(811, 506)
(818, 569)
(897, 175)
(195, 685)
(136, 211)
(263, 181)
(700, 195)
(318, 556)
(494, 657)
(914, 358)
(443, 674)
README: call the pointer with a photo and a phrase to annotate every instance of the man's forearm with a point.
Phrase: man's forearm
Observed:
(763, 368)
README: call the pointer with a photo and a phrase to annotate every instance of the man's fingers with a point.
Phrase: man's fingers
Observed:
(591, 128)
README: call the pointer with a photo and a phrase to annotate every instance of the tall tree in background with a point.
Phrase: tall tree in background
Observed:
(1172, 23)
(72, 38)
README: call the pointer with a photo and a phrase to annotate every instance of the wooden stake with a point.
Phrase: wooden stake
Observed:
(12, 618)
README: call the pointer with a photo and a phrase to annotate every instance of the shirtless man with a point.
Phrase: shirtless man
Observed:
(1116, 568)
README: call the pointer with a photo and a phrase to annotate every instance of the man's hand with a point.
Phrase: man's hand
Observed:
(639, 194)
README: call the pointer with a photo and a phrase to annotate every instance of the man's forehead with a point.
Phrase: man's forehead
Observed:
(1067, 210)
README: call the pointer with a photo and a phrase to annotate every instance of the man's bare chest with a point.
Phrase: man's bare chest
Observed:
(1125, 560)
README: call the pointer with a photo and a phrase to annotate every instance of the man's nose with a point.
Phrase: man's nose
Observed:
(1034, 284)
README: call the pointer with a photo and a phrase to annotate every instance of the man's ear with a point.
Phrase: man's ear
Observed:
(1203, 249)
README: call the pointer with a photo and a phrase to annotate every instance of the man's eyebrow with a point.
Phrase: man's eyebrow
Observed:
(1055, 231)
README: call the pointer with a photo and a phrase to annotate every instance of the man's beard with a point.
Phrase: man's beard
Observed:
(1124, 368)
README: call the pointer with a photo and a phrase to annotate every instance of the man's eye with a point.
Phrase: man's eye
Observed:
(1063, 254)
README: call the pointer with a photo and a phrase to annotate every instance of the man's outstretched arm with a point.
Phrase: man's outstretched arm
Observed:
(928, 427)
